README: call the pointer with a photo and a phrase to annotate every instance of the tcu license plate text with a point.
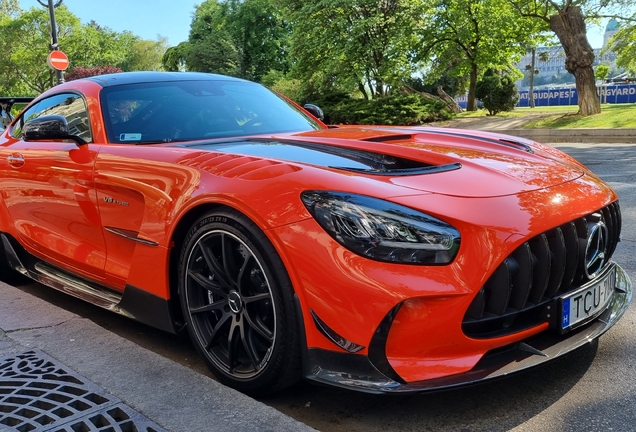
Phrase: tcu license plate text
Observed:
(588, 302)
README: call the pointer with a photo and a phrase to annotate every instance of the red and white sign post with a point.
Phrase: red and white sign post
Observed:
(57, 60)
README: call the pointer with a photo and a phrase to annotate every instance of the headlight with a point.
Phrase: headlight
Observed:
(382, 230)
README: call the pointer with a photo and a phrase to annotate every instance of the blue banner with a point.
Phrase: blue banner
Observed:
(621, 93)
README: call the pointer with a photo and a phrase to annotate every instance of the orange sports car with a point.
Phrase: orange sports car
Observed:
(380, 259)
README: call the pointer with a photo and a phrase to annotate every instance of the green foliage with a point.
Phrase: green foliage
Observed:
(497, 93)
(174, 59)
(281, 83)
(244, 38)
(568, 20)
(9, 8)
(92, 45)
(390, 110)
(463, 38)
(452, 85)
(602, 71)
(82, 72)
(145, 55)
(354, 45)
(624, 45)
(214, 53)
(24, 46)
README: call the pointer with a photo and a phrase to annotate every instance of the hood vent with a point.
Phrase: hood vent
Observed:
(389, 138)
(346, 159)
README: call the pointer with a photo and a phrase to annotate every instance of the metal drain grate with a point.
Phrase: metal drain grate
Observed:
(37, 393)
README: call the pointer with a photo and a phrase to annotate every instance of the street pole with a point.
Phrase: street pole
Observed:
(55, 46)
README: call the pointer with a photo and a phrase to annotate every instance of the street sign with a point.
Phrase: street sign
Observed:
(57, 60)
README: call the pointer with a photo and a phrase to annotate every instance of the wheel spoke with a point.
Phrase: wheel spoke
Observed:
(232, 346)
(249, 349)
(216, 306)
(243, 273)
(255, 298)
(205, 283)
(258, 328)
(214, 266)
(215, 332)
(229, 263)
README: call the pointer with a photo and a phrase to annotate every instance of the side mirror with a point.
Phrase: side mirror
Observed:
(315, 111)
(49, 127)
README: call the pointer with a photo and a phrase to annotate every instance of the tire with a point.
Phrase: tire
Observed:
(237, 301)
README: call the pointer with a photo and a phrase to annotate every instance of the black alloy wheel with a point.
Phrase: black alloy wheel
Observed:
(238, 303)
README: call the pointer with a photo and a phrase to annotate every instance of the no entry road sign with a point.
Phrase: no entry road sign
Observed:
(57, 60)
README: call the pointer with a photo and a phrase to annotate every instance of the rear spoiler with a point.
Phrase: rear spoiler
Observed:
(6, 103)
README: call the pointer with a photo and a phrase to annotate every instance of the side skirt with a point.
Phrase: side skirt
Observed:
(133, 303)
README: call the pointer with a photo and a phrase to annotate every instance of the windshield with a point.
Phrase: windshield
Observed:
(192, 110)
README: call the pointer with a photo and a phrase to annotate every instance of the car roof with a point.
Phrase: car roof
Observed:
(148, 77)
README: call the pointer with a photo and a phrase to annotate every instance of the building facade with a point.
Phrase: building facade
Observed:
(552, 71)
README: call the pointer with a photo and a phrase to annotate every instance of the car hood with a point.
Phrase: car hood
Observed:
(443, 161)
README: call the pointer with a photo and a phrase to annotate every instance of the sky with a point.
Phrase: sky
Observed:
(168, 18)
(144, 18)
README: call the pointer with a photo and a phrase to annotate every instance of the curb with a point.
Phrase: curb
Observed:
(626, 135)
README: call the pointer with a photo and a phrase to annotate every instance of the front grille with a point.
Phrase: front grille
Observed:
(547, 266)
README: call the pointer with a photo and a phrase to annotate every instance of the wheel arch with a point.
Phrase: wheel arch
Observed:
(178, 236)
(181, 237)
(176, 243)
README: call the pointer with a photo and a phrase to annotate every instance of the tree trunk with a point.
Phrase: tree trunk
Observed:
(471, 105)
(569, 26)
(532, 69)
(450, 102)
(363, 91)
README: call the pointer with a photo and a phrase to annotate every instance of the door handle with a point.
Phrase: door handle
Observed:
(16, 160)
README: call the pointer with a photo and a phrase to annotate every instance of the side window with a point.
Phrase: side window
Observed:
(27, 115)
(70, 106)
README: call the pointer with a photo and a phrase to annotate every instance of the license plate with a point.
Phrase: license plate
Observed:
(587, 302)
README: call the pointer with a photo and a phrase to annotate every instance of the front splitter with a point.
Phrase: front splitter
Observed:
(356, 372)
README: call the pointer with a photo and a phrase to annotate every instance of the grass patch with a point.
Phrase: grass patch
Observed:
(564, 117)
(611, 116)
(522, 112)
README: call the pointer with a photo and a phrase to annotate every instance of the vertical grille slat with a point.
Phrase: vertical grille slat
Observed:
(541, 267)
(610, 223)
(615, 220)
(499, 287)
(522, 278)
(571, 253)
(557, 255)
(546, 266)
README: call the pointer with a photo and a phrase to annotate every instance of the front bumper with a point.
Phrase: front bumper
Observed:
(357, 372)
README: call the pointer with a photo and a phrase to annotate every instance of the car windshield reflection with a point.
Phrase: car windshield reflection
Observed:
(178, 111)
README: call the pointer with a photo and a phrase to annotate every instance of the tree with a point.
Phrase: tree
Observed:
(25, 37)
(82, 72)
(244, 38)
(9, 8)
(366, 45)
(260, 34)
(464, 38)
(24, 46)
(624, 45)
(145, 55)
(567, 19)
(174, 59)
(532, 70)
(91, 45)
(601, 73)
(497, 93)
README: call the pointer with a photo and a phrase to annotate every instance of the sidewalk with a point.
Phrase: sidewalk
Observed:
(51, 354)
